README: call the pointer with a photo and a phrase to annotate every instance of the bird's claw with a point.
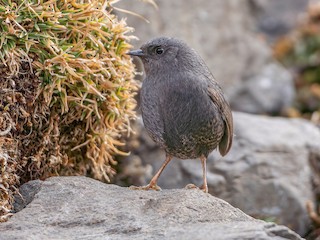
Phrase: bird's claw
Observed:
(192, 186)
(147, 187)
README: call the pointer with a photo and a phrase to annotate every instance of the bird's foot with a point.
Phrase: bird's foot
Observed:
(204, 188)
(147, 187)
(192, 186)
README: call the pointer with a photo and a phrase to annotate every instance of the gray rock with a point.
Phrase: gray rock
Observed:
(82, 208)
(26, 195)
(223, 33)
(277, 18)
(270, 91)
(267, 173)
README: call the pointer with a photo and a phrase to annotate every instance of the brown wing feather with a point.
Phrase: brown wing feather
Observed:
(219, 100)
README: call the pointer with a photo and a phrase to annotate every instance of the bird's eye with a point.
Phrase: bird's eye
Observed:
(159, 50)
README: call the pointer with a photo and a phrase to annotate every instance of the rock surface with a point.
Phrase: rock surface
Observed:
(270, 91)
(224, 34)
(277, 18)
(267, 173)
(82, 208)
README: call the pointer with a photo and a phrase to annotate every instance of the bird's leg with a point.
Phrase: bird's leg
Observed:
(204, 187)
(154, 180)
(153, 183)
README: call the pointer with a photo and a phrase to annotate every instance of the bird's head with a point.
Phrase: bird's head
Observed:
(159, 52)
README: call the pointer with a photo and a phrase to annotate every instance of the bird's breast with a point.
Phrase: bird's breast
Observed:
(182, 118)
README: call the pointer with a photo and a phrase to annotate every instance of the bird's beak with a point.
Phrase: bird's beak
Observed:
(137, 52)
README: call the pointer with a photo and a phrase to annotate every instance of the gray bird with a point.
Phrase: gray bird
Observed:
(183, 107)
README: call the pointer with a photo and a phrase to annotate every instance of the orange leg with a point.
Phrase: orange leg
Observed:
(204, 187)
(153, 183)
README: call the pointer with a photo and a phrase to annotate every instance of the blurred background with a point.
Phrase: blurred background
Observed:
(266, 56)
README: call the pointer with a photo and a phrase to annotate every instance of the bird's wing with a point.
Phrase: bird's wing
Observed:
(224, 108)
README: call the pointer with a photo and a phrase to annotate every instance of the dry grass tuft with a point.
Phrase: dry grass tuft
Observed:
(66, 90)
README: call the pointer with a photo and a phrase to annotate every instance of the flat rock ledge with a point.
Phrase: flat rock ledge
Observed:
(83, 208)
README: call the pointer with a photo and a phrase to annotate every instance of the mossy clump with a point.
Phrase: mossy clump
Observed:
(300, 51)
(66, 90)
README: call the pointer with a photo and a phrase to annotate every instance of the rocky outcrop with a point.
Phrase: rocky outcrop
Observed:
(267, 173)
(270, 91)
(277, 18)
(224, 33)
(82, 208)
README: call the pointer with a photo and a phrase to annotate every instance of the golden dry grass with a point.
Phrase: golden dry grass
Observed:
(66, 90)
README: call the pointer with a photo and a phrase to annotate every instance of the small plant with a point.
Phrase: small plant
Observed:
(66, 91)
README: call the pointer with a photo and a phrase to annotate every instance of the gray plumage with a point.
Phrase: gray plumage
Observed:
(183, 107)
